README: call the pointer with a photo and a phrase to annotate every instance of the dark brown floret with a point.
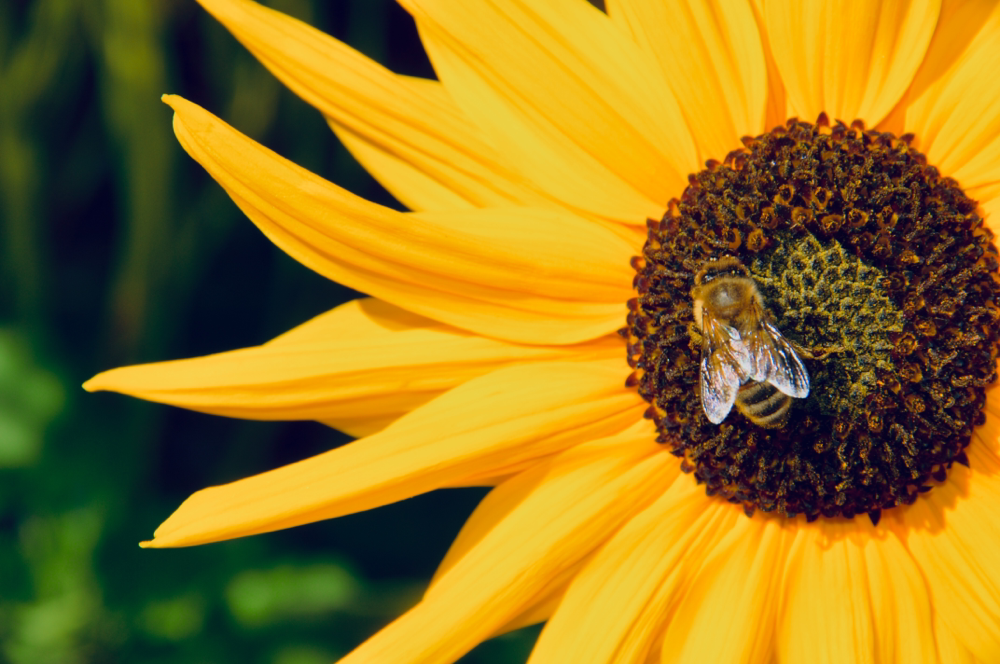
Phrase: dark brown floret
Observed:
(855, 242)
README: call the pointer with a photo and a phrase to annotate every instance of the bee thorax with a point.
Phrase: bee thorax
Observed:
(727, 297)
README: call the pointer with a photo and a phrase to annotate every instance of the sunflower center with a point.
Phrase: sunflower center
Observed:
(816, 322)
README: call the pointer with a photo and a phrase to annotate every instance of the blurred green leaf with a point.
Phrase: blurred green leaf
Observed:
(174, 619)
(258, 597)
(115, 247)
(30, 398)
(60, 624)
(303, 655)
(30, 65)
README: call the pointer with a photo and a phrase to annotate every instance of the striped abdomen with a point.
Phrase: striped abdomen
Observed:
(763, 404)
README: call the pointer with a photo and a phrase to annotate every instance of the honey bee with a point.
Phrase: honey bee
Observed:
(745, 360)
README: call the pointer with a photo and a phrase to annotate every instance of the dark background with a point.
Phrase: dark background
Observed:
(116, 248)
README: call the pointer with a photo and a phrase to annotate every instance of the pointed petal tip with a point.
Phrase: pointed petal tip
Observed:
(105, 381)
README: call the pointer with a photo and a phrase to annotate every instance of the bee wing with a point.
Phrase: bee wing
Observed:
(772, 359)
(725, 365)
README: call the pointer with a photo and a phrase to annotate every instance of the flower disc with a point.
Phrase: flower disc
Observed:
(862, 253)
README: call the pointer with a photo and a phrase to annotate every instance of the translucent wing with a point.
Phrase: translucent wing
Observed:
(725, 365)
(773, 360)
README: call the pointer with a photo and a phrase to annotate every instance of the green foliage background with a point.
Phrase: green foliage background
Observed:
(116, 248)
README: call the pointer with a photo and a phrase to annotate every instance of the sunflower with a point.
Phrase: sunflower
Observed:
(570, 177)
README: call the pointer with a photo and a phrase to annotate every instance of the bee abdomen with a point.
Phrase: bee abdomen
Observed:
(763, 404)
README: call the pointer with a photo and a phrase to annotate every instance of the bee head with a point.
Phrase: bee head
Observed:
(726, 266)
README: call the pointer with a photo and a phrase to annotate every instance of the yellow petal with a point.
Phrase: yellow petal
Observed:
(957, 118)
(957, 26)
(567, 97)
(954, 534)
(735, 593)
(407, 132)
(364, 363)
(508, 496)
(501, 422)
(413, 188)
(567, 508)
(710, 55)
(903, 620)
(523, 274)
(826, 615)
(850, 58)
(617, 607)
(949, 649)
(776, 110)
(544, 608)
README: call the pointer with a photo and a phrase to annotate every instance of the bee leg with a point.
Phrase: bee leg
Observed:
(823, 352)
(816, 352)
(696, 337)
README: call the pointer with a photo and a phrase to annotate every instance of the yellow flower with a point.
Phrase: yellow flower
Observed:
(488, 353)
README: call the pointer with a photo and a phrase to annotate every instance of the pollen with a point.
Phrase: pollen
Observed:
(874, 265)
(828, 298)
